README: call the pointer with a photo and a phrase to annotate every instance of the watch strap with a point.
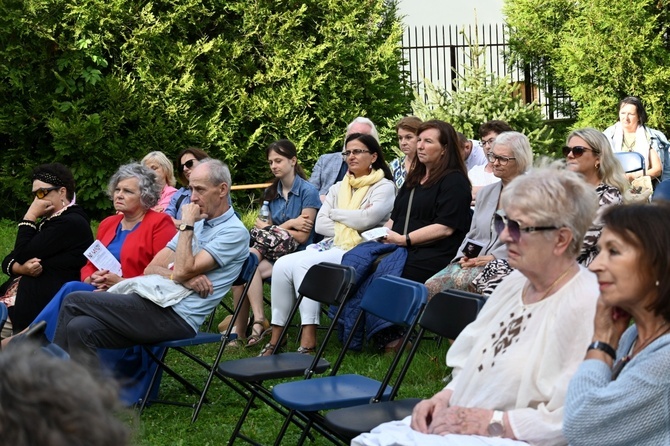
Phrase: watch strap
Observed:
(603, 347)
(496, 427)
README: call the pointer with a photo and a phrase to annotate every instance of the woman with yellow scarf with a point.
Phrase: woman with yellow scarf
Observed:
(362, 200)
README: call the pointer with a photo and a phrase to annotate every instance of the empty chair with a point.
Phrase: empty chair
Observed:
(631, 161)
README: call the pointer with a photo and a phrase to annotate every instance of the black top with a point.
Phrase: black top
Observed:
(447, 202)
(60, 243)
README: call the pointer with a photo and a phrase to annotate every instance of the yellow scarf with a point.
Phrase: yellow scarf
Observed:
(348, 198)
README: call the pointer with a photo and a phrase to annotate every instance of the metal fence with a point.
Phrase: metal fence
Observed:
(440, 53)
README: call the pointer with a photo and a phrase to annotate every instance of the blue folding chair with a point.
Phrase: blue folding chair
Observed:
(180, 345)
(662, 191)
(396, 300)
(3, 315)
(326, 283)
(446, 315)
(631, 161)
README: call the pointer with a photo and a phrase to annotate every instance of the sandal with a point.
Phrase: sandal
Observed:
(268, 349)
(256, 338)
(223, 325)
(306, 350)
(234, 344)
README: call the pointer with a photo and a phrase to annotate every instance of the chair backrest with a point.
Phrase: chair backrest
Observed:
(3, 315)
(248, 270)
(450, 311)
(631, 161)
(395, 299)
(327, 283)
(662, 191)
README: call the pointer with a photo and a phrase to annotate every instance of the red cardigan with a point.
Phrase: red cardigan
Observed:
(141, 245)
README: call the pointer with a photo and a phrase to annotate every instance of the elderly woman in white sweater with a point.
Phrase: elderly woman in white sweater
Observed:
(512, 365)
(362, 200)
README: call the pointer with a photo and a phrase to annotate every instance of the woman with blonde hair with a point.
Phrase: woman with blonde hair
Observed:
(588, 153)
(162, 167)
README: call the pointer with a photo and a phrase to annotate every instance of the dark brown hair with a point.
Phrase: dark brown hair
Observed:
(452, 161)
(373, 146)
(494, 126)
(285, 148)
(198, 154)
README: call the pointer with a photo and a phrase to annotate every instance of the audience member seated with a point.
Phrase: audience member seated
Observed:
(510, 156)
(406, 130)
(293, 203)
(588, 152)
(134, 235)
(331, 167)
(472, 152)
(200, 263)
(362, 200)
(49, 247)
(619, 394)
(187, 159)
(430, 217)
(482, 175)
(162, 167)
(511, 366)
(51, 402)
(631, 134)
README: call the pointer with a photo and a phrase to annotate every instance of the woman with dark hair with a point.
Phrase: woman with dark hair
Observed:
(293, 203)
(362, 200)
(406, 130)
(187, 159)
(619, 394)
(631, 134)
(430, 217)
(49, 246)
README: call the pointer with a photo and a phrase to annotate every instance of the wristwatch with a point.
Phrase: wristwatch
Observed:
(496, 427)
(185, 227)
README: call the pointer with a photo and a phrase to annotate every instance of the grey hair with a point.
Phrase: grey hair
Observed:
(520, 146)
(218, 172)
(362, 120)
(150, 191)
(549, 196)
(164, 162)
(610, 171)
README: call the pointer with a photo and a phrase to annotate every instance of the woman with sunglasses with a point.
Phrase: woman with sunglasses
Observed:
(510, 156)
(49, 246)
(187, 159)
(619, 394)
(588, 153)
(631, 134)
(511, 366)
(362, 200)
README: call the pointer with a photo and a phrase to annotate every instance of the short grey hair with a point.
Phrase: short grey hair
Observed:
(362, 120)
(520, 146)
(150, 191)
(549, 196)
(218, 172)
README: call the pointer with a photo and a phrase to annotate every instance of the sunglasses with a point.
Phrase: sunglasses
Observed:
(577, 151)
(188, 164)
(356, 152)
(44, 191)
(500, 220)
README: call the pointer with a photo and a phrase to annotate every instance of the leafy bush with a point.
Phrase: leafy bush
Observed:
(96, 83)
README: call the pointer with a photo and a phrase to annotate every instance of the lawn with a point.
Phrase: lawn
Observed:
(170, 425)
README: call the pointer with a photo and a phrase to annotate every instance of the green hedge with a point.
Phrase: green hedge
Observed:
(96, 83)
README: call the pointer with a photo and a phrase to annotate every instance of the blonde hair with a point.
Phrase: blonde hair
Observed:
(165, 164)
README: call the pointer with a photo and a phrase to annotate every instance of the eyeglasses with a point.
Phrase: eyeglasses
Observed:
(188, 164)
(503, 160)
(356, 152)
(487, 142)
(44, 191)
(577, 151)
(500, 220)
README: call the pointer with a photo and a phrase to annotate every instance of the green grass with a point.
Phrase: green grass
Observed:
(170, 425)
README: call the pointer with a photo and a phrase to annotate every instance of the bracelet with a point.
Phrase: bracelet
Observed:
(408, 241)
(603, 347)
(27, 223)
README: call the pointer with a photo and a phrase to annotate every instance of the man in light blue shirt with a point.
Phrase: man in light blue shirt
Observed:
(205, 256)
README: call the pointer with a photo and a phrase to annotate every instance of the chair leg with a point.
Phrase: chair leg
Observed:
(284, 428)
(240, 421)
(152, 383)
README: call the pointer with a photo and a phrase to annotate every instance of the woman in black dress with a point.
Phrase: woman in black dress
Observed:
(50, 243)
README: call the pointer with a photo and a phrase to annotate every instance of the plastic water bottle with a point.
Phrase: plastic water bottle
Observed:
(265, 211)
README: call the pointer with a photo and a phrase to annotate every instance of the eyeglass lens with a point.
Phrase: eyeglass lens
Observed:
(499, 222)
(354, 152)
(188, 164)
(577, 151)
(43, 191)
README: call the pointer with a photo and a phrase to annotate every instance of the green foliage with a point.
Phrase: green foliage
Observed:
(599, 51)
(483, 96)
(96, 83)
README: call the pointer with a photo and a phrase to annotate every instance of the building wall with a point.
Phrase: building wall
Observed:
(450, 12)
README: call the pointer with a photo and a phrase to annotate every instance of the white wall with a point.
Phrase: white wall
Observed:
(450, 12)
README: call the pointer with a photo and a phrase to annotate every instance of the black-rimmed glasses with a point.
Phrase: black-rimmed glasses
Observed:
(577, 151)
(500, 220)
(503, 160)
(43, 191)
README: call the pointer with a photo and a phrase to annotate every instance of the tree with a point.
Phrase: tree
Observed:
(598, 51)
(95, 83)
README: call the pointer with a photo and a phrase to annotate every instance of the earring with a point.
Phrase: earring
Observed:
(370, 167)
(658, 283)
(597, 166)
(62, 202)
